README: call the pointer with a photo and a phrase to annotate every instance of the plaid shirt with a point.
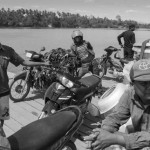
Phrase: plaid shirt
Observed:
(130, 105)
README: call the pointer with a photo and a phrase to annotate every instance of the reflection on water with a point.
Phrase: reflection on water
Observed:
(34, 39)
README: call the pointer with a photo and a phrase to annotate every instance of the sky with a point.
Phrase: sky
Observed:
(138, 10)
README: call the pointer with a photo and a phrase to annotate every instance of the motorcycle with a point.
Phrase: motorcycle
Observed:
(69, 90)
(40, 77)
(34, 56)
(51, 133)
(106, 62)
(22, 82)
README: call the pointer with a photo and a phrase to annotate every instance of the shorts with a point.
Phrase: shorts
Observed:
(4, 108)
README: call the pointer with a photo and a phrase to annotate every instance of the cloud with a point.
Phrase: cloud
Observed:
(73, 11)
(31, 7)
(17, 7)
(81, 12)
(131, 11)
(35, 7)
(78, 11)
(52, 9)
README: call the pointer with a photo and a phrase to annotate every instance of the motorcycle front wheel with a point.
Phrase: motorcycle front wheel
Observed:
(19, 89)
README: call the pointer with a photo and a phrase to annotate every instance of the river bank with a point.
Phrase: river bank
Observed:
(34, 39)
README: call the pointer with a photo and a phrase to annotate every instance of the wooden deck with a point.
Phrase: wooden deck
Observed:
(23, 113)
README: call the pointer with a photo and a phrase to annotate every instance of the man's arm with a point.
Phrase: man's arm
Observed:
(90, 48)
(112, 123)
(30, 63)
(136, 140)
(101, 139)
(120, 115)
(107, 135)
(119, 39)
(4, 143)
(133, 39)
(17, 60)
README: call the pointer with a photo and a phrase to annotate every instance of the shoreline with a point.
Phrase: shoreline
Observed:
(139, 29)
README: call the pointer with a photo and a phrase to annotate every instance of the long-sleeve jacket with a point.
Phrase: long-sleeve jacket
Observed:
(130, 105)
(129, 38)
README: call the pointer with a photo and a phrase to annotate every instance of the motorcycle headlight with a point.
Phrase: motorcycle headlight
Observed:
(66, 82)
(29, 55)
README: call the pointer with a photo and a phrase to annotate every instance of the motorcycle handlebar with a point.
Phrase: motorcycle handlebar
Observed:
(111, 49)
(116, 49)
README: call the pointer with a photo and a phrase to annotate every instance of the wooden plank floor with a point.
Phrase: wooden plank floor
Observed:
(23, 113)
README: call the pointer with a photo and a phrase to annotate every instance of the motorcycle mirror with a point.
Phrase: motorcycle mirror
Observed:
(43, 48)
(116, 55)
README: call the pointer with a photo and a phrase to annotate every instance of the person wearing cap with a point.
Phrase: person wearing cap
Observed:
(8, 54)
(135, 105)
(129, 39)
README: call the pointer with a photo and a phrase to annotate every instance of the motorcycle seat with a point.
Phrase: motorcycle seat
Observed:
(36, 56)
(90, 81)
(110, 49)
(42, 134)
(125, 61)
(88, 84)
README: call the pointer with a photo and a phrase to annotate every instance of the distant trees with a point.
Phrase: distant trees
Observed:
(38, 19)
(118, 17)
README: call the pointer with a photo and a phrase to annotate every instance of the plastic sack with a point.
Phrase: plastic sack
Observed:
(126, 71)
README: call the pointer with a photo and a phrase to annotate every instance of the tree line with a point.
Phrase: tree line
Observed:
(39, 19)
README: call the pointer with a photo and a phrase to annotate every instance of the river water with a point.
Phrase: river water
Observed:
(34, 39)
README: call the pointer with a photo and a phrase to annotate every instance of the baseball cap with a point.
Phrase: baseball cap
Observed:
(140, 70)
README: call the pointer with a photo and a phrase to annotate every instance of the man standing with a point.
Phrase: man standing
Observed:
(129, 40)
(7, 54)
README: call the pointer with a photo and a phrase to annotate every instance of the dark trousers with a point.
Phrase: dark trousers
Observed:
(128, 53)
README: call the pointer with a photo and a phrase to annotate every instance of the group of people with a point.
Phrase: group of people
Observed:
(134, 103)
(80, 47)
